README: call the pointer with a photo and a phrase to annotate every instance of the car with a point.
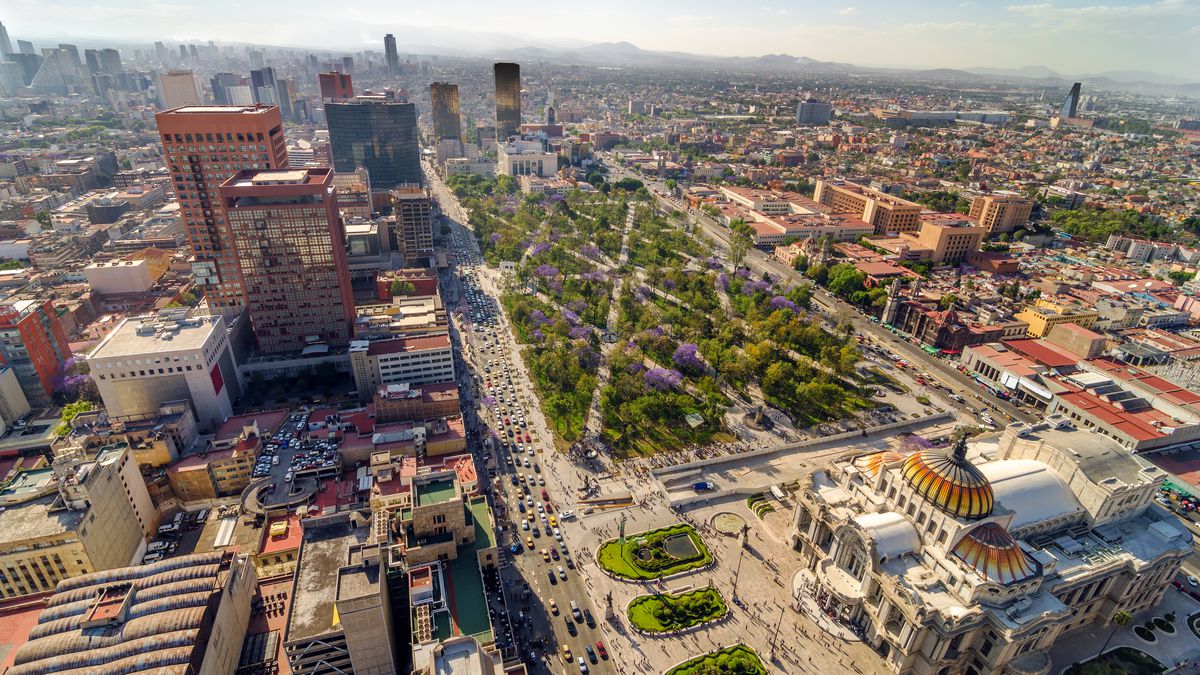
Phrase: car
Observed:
(1192, 581)
(567, 559)
(525, 525)
(515, 548)
(588, 619)
(553, 607)
(591, 653)
(546, 555)
(545, 496)
(566, 652)
(601, 650)
(551, 577)
(570, 626)
(554, 553)
(528, 541)
(582, 665)
(562, 573)
(558, 534)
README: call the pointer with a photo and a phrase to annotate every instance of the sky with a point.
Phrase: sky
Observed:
(1075, 37)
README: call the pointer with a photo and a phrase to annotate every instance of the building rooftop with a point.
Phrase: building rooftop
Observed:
(157, 334)
(435, 492)
(322, 553)
(413, 344)
(217, 110)
(165, 634)
(37, 518)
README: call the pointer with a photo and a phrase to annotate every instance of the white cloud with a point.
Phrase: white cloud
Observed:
(848, 11)
(1160, 9)
(691, 19)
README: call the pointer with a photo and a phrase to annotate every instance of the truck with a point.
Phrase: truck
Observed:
(703, 486)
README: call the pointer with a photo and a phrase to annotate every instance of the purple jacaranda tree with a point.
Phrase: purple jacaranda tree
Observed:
(538, 318)
(668, 285)
(539, 249)
(752, 287)
(661, 379)
(546, 271)
(590, 250)
(687, 358)
(579, 332)
(538, 335)
(571, 317)
(723, 281)
(495, 237)
(780, 302)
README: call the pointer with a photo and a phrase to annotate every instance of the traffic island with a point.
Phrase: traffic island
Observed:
(735, 660)
(672, 612)
(654, 554)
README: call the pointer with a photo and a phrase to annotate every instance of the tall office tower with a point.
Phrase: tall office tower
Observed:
(12, 77)
(30, 64)
(92, 58)
(412, 234)
(25, 47)
(183, 55)
(291, 247)
(348, 65)
(550, 116)
(192, 52)
(73, 52)
(381, 135)
(508, 99)
(177, 88)
(813, 112)
(1071, 105)
(446, 122)
(390, 55)
(220, 83)
(34, 343)
(160, 52)
(262, 82)
(110, 62)
(243, 136)
(58, 74)
(256, 58)
(5, 43)
(285, 93)
(335, 86)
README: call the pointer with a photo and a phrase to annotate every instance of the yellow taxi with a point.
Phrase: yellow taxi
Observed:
(528, 542)
(553, 521)
(553, 607)
(566, 653)
(546, 555)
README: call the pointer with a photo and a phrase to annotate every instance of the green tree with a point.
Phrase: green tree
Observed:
(401, 288)
(69, 411)
(43, 218)
(1120, 619)
(739, 246)
(947, 301)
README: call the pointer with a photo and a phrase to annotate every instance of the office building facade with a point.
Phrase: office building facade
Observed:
(813, 112)
(412, 234)
(292, 252)
(33, 342)
(204, 146)
(377, 134)
(177, 88)
(335, 86)
(446, 121)
(508, 99)
(390, 55)
(886, 212)
(1001, 213)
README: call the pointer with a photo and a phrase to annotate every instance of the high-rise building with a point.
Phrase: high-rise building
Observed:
(508, 99)
(246, 137)
(148, 361)
(446, 123)
(813, 112)
(34, 343)
(5, 43)
(292, 250)
(551, 117)
(1071, 105)
(1001, 212)
(390, 55)
(220, 83)
(412, 234)
(103, 61)
(525, 158)
(262, 82)
(177, 88)
(335, 86)
(381, 135)
(25, 47)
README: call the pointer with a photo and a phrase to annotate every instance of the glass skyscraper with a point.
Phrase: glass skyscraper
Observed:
(508, 100)
(446, 122)
(377, 134)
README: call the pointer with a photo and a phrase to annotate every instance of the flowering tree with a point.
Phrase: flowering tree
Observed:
(590, 250)
(752, 287)
(538, 318)
(539, 249)
(687, 358)
(723, 281)
(661, 379)
(547, 271)
(579, 332)
(780, 302)
(571, 317)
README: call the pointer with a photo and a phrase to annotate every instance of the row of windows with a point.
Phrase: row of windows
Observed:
(218, 137)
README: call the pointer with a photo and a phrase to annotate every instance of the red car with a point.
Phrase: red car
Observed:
(527, 439)
(545, 496)
(601, 650)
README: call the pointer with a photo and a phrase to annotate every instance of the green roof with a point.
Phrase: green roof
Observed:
(435, 492)
(485, 534)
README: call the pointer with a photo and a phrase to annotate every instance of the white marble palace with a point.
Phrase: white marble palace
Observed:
(976, 558)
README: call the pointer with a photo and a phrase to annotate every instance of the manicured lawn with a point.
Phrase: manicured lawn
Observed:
(675, 611)
(735, 660)
(1120, 660)
(655, 553)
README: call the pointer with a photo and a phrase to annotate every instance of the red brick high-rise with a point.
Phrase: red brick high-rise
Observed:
(291, 246)
(336, 86)
(204, 146)
(34, 343)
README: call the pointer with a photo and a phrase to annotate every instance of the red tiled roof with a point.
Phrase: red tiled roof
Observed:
(1043, 352)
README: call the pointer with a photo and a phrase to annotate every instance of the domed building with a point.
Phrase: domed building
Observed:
(978, 557)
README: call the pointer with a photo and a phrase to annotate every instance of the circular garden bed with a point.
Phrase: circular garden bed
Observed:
(666, 612)
(655, 553)
(1119, 660)
(1145, 633)
(735, 660)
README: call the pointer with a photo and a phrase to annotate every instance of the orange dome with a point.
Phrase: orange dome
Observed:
(952, 483)
(992, 552)
(875, 461)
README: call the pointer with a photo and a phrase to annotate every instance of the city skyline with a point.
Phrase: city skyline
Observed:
(1072, 38)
